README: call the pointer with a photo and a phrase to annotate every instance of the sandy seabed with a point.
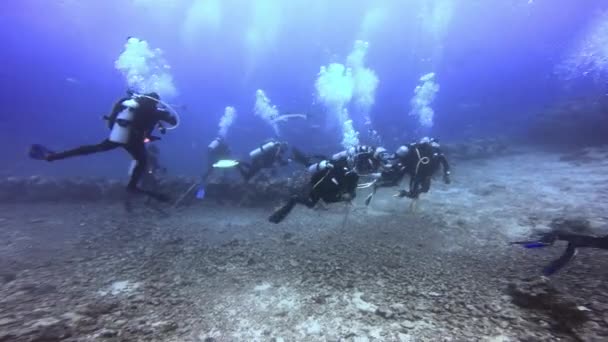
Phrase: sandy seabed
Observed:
(211, 272)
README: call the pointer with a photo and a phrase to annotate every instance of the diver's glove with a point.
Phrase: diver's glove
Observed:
(446, 178)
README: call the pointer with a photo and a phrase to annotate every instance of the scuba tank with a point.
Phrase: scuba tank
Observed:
(262, 149)
(378, 152)
(402, 151)
(121, 130)
(320, 166)
(340, 155)
(214, 144)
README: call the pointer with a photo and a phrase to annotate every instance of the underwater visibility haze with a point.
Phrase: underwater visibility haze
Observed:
(270, 140)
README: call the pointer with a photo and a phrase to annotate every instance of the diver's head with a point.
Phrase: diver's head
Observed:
(402, 151)
(153, 95)
(425, 140)
(148, 100)
(379, 152)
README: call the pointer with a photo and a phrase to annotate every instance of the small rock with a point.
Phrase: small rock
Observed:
(498, 338)
(434, 294)
(362, 305)
(404, 337)
(320, 299)
(78, 321)
(398, 308)
(7, 337)
(6, 321)
(46, 329)
(385, 312)
(408, 324)
(293, 263)
(288, 236)
(97, 309)
(164, 326)
(107, 333)
(7, 277)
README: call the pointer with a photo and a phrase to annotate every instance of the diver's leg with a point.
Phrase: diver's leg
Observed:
(103, 146)
(138, 152)
(246, 170)
(375, 187)
(281, 213)
(556, 265)
(425, 185)
(584, 241)
(140, 155)
(414, 188)
(208, 173)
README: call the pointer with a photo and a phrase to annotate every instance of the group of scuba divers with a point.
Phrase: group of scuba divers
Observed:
(333, 179)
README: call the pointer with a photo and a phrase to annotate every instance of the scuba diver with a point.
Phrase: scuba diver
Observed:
(217, 150)
(394, 168)
(423, 159)
(263, 157)
(361, 158)
(131, 123)
(328, 182)
(575, 241)
(365, 159)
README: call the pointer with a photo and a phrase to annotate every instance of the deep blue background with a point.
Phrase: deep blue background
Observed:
(496, 66)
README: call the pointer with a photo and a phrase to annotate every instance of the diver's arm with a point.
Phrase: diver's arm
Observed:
(167, 117)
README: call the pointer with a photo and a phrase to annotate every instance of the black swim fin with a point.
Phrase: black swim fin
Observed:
(39, 152)
(369, 199)
(300, 157)
(282, 212)
(152, 194)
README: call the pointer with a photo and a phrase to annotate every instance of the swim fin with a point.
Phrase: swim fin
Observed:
(280, 214)
(200, 193)
(39, 152)
(368, 200)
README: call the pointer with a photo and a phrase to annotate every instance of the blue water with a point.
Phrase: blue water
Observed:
(495, 63)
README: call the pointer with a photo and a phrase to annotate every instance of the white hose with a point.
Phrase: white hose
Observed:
(177, 117)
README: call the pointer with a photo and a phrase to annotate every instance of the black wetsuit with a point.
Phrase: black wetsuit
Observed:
(266, 160)
(146, 117)
(422, 162)
(393, 170)
(364, 160)
(221, 151)
(574, 241)
(329, 185)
